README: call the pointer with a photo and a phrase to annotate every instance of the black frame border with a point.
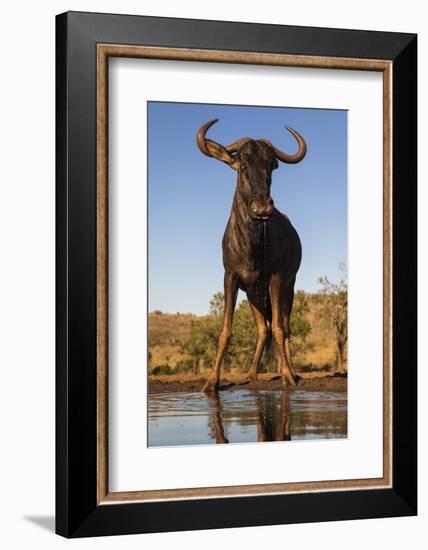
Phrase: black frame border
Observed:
(77, 512)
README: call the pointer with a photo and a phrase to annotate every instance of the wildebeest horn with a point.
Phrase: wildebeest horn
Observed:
(236, 145)
(211, 148)
(200, 136)
(285, 157)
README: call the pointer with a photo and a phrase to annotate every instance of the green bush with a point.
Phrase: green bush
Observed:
(201, 344)
(162, 369)
(185, 366)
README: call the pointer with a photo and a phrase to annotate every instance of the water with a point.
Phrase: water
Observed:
(244, 416)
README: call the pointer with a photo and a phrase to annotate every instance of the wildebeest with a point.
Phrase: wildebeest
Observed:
(261, 249)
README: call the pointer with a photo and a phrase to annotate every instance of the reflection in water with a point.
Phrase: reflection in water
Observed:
(241, 416)
(216, 418)
(264, 419)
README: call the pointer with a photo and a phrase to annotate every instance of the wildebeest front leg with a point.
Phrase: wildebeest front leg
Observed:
(261, 341)
(230, 293)
(276, 298)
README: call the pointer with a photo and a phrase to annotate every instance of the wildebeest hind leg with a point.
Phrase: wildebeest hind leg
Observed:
(261, 341)
(278, 331)
(288, 353)
(230, 293)
(288, 307)
(287, 344)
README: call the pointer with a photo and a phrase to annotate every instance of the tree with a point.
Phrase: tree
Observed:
(300, 327)
(244, 336)
(201, 344)
(334, 302)
(217, 304)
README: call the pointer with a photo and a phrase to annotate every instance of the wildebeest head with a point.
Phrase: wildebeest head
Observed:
(254, 160)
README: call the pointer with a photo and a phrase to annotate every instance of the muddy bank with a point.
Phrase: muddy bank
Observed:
(307, 381)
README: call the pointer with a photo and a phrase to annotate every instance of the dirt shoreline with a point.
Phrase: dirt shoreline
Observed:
(307, 381)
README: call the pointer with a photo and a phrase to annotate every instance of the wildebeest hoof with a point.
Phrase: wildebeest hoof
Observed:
(210, 386)
(288, 380)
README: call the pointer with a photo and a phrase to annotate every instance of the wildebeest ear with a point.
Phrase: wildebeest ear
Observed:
(220, 153)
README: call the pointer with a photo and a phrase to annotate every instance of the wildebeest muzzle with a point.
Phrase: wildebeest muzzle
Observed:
(261, 209)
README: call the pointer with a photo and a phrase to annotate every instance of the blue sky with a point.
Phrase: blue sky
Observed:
(190, 195)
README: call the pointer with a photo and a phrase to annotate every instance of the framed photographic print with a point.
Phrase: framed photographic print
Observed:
(236, 274)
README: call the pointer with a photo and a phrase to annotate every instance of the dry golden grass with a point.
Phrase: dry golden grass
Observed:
(321, 348)
(167, 332)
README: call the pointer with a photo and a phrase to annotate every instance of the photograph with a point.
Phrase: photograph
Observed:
(247, 316)
(212, 278)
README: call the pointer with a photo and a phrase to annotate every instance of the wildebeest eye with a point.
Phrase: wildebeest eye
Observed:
(275, 164)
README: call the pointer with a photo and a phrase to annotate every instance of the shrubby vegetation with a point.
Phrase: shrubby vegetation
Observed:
(162, 369)
(201, 345)
(318, 327)
(334, 310)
